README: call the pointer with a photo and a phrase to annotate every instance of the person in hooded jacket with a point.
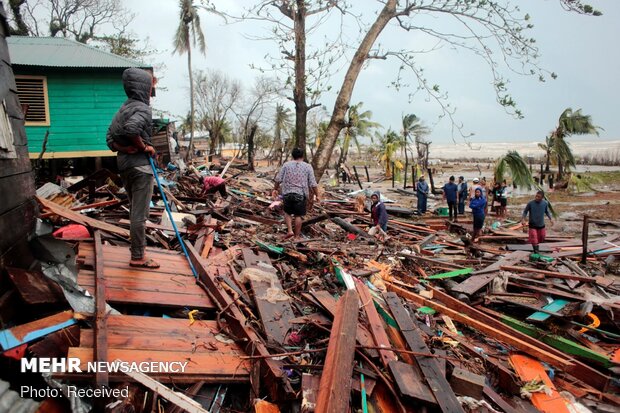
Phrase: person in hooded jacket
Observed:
(379, 215)
(129, 134)
(478, 204)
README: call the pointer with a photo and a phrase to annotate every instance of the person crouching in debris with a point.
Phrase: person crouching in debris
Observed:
(297, 185)
(477, 204)
(379, 216)
(213, 184)
(129, 134)
(537, 209)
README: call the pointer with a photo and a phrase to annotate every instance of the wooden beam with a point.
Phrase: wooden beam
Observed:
(335, 385)
(178, 399)
(482, 327)
(430, 367)
(252, 343)
(82, 219)
(101, 332)
(552, 274)
(376, 324)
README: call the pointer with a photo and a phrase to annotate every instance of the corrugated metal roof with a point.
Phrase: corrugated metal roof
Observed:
(62, 52)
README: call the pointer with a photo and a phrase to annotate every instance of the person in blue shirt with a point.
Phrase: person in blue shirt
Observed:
(450, 194)
(422, 194)
(462, 194)
(478, 204)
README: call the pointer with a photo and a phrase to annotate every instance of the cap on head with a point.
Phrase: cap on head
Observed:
(476, 180)
(377, 194)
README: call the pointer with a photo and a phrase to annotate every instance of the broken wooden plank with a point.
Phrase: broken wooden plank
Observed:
(25, 333)
(430, 367)
(101, 332)
(466, 383)
(554, 306)
(552, 274)
(178, 399)
(335, 385)
(34, 287)
(272, 302)
(528, 370)
(481, 278)
(271, 369)
(82, 219)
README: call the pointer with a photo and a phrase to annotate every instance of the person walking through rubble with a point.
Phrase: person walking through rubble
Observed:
(422, 194)
(450, 194)
(537, 209)
(462, 194)
(129, 134)
(477, 205)
(298, 187)
(379, 216)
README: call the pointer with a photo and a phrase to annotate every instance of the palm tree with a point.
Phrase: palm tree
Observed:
(390, 142)
(548, 148)
(358, 125)
(282, 125)
(519, 171)
(188, 34)
(412, 127)
(570, 123)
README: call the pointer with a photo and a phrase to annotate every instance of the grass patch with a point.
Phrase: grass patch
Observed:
(603, 177)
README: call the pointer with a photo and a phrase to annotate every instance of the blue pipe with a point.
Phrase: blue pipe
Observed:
(174, 225)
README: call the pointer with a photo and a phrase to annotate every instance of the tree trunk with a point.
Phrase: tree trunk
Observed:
(21, 29)
(190, 149)
(251, 147)
(299, 93)
(560, 168)
(336, 123)
(548, 161)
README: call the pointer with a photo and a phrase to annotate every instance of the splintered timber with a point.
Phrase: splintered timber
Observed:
(72, 365)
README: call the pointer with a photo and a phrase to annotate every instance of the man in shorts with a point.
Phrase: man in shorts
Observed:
(537, 209)
(298, 187)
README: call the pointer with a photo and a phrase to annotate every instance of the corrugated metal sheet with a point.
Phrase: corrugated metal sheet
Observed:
(61, 52)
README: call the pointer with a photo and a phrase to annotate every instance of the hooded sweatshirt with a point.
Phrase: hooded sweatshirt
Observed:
(378, 212)
(134, 118)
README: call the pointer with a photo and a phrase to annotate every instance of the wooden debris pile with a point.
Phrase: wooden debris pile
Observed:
(334, 322)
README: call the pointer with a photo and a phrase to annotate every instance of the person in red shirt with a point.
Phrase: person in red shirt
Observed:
(213, 184)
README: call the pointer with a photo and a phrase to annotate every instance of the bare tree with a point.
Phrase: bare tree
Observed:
(216, 94)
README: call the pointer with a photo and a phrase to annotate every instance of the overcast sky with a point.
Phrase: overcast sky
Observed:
(582, 50)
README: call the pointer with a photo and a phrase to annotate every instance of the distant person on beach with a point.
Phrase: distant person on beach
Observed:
(537, 209)
(462, 194)
(477, 205)
(450, 194)
(422, 194)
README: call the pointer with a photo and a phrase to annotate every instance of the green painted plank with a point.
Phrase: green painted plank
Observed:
(450, 274)
(554, 307)
(561, 343)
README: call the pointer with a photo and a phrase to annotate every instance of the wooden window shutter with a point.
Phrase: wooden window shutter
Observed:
(32, 92)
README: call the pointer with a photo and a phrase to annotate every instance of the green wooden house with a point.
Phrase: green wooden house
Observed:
(71, 90)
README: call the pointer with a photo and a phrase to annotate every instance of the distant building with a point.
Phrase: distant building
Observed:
(71, 90)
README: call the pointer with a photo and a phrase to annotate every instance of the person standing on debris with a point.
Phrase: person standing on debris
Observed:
(477, 205)
(472, 190)
(462, 194)
(298, 187)
(213, 184)
(537, 209)
(129, 134)
(450, 194)
(503, 201)
(379, 216)
(422, 194)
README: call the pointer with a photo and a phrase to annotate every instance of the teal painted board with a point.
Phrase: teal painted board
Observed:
(450, 274)
(81, 107)
(554, 307)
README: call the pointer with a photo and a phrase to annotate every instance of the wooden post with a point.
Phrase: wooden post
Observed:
(413, 177)
(101, 335)
(584, 239)
(393, 174)
(357, 177)
(367, 174)
(406, 170)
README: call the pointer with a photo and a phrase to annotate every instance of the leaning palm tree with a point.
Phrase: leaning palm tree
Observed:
(548, 148)
(188, 34)
(358, 125)
(282, 124)
(570, 123)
